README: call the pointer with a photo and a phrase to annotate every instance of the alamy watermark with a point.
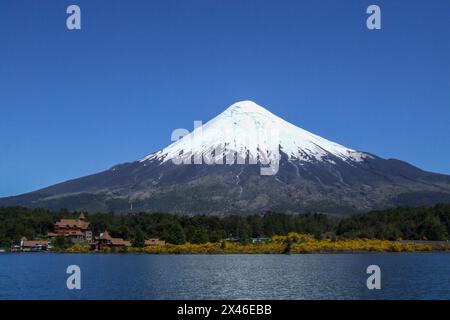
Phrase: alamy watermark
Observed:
(266, 154)
(73, 21)
(74, 280)
(373, 22)
(374, 280)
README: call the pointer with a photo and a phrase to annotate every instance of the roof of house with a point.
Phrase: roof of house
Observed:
(72, 223)
(32, 243)
(114, 241)
(120, 242)
(105, 236)
(74, 233)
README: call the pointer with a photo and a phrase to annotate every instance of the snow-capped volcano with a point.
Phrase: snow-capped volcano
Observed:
(306, 173)
(248, 133)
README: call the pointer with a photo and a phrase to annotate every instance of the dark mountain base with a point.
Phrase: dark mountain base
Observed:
(332, 186)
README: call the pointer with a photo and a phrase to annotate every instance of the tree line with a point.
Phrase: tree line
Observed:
(391, 224)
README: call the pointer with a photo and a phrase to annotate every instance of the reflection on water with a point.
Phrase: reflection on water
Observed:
(312, 276)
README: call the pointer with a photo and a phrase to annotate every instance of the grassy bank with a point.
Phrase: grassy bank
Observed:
(292, 243)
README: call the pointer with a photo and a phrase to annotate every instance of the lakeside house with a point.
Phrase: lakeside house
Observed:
(33, 245)
(105, 240)
(78, 230)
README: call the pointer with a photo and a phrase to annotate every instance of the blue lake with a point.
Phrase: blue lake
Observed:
(311, 276)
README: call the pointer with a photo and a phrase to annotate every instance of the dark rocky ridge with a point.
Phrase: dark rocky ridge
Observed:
(337, 188)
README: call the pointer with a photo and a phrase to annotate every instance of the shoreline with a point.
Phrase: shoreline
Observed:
(292, 244)
(227, 253)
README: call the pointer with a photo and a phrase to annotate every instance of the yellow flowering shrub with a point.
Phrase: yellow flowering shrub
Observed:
(79, 248)
(291, 243)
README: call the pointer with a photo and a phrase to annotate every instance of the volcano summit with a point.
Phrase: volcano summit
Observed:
(248, 160)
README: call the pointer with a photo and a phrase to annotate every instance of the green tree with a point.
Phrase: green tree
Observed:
(61, 242)
(175, 234)
(199, 236)
(139, 239)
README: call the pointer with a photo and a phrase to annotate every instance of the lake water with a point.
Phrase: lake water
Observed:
(311, 276)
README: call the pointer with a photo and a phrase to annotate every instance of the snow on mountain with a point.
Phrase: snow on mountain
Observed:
(313, 175)
(246, 130)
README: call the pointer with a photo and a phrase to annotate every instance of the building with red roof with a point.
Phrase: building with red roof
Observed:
(78, 230)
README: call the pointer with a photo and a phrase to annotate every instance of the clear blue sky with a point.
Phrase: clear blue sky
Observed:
(74, 103)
